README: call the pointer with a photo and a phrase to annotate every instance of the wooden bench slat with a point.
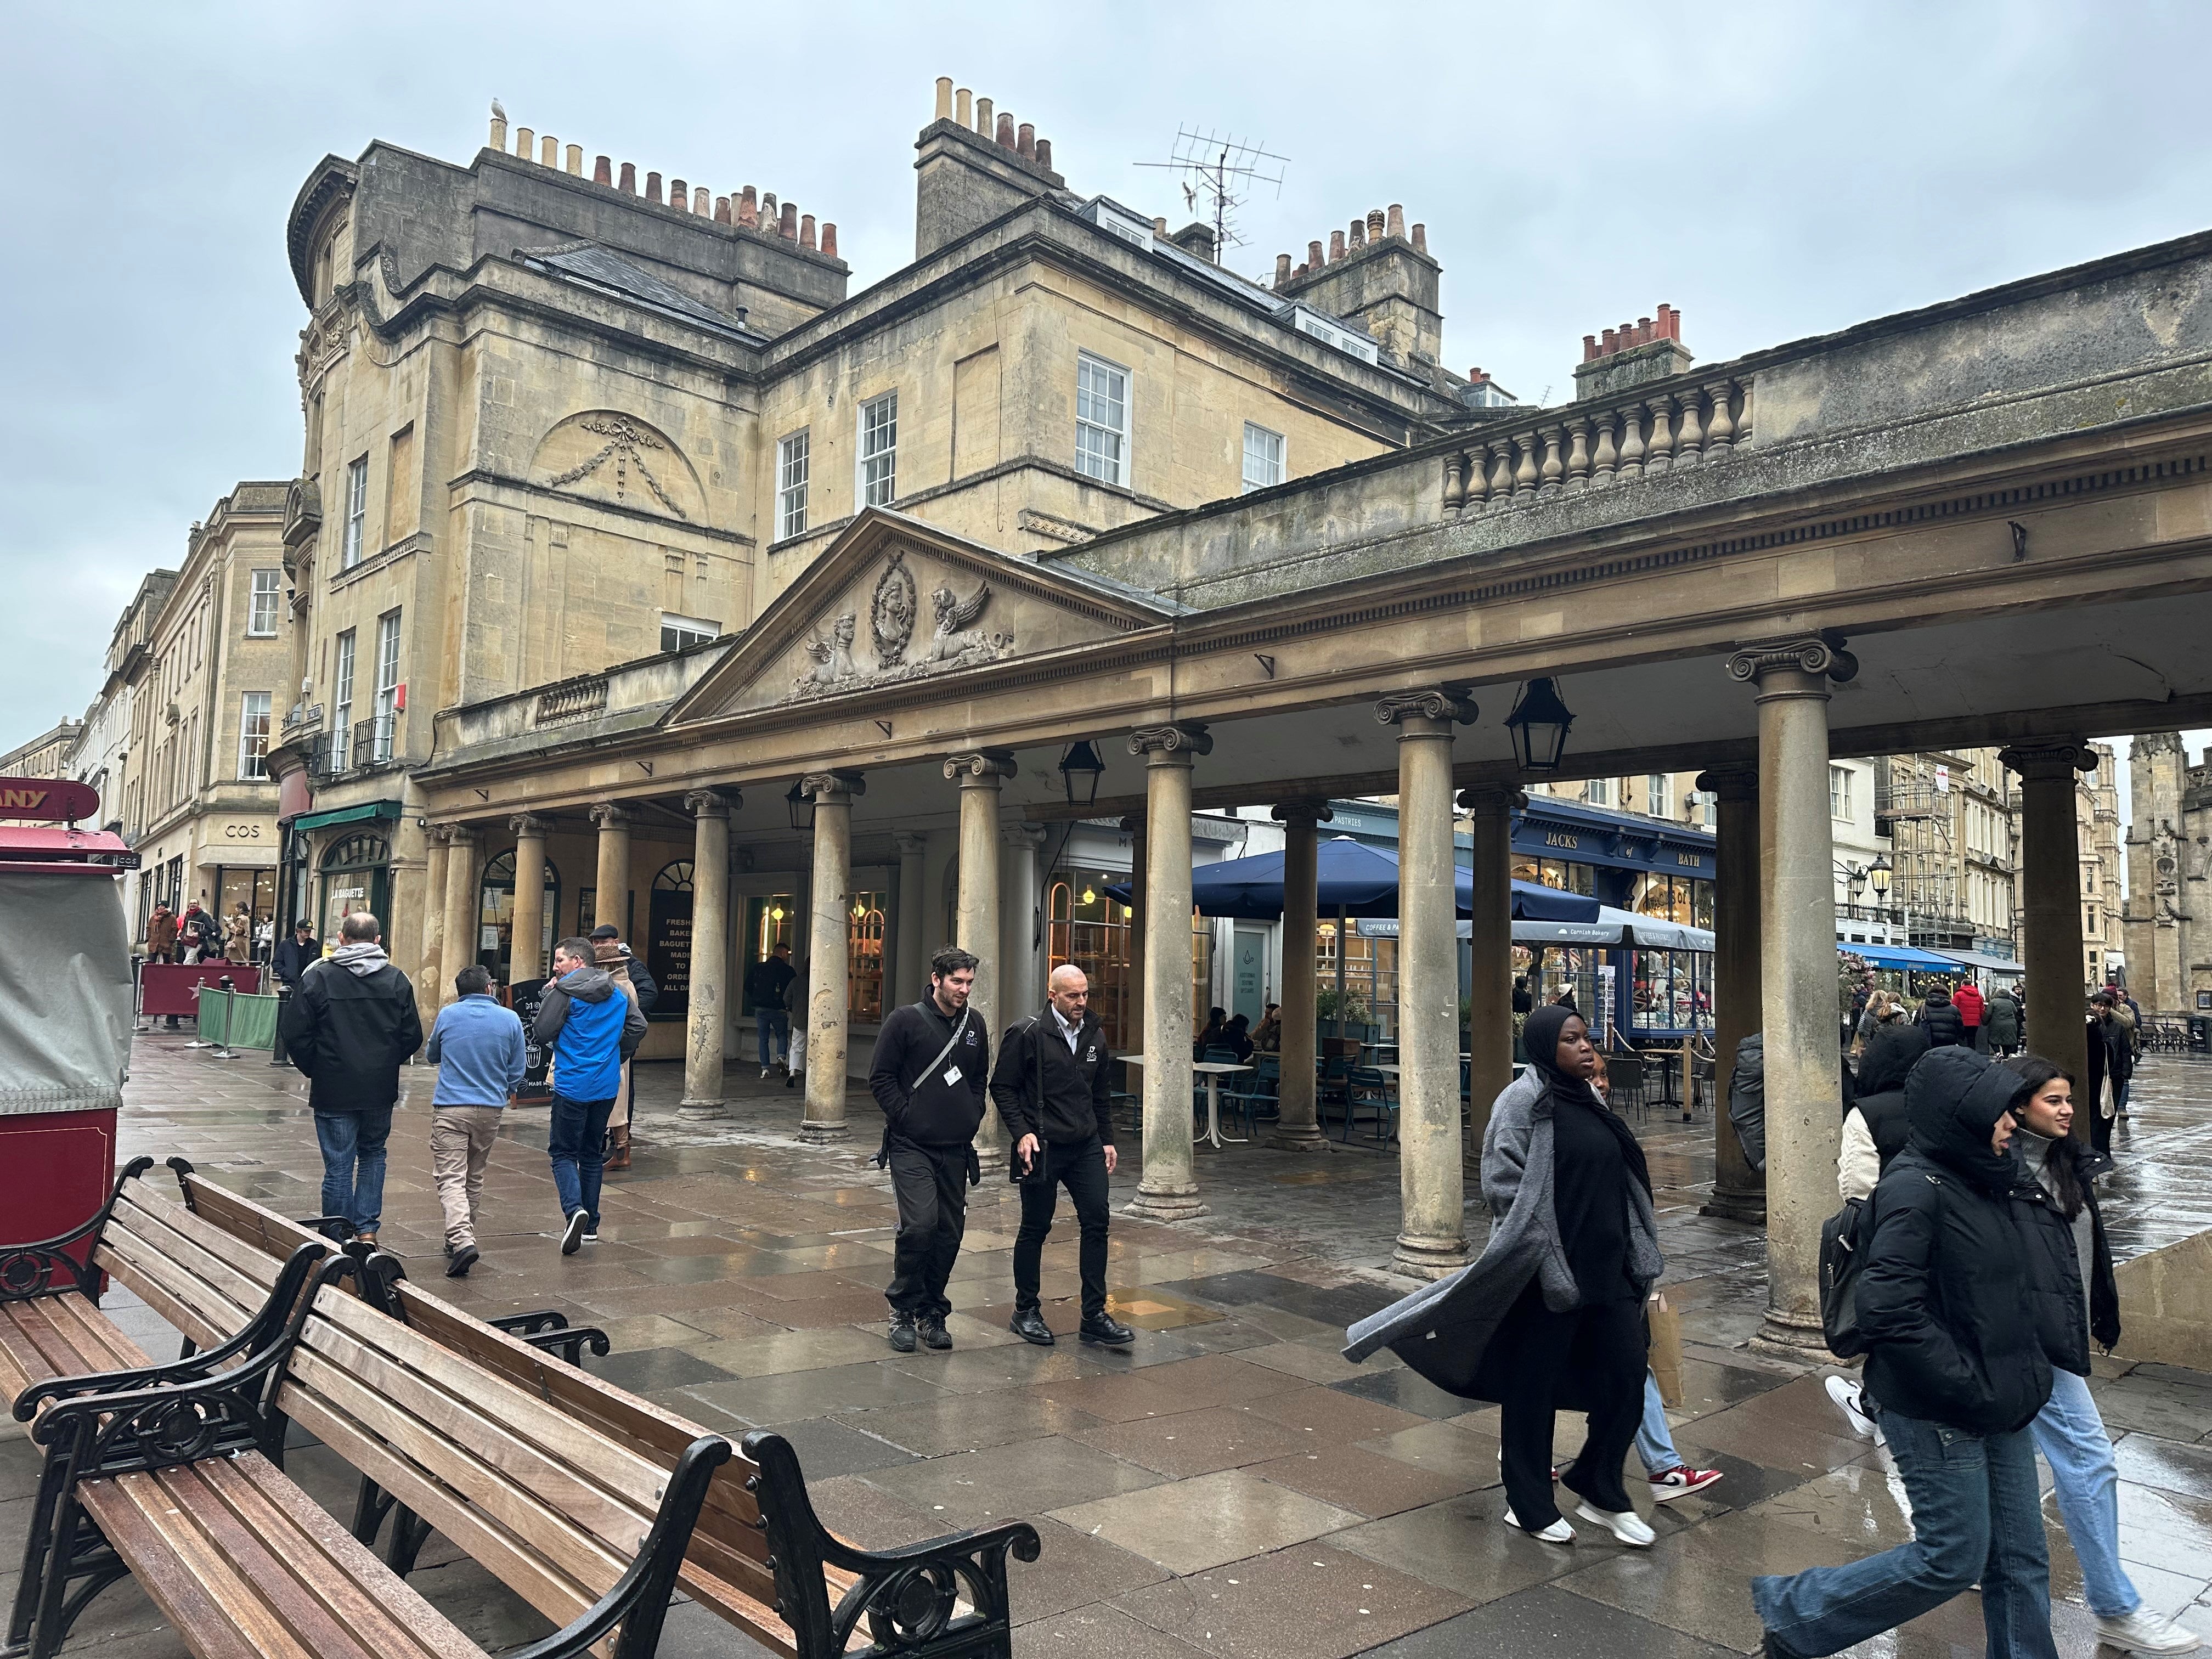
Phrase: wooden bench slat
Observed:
(252, 1272)
(203, 1315)
(187, 1602)
(179, 1539)
(217, 1289)
(96, 1334)
(267, 1556)
(277, 1234)
(497, 1405)
(520, 1571)
(50, 1342)
(427, 1628)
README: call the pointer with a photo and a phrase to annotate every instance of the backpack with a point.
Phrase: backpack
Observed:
(1842, 1236)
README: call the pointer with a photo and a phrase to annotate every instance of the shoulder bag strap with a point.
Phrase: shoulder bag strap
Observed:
(941, 1053)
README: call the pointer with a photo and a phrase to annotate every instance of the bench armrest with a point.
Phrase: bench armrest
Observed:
(569, 1342)
(909, 1596)
(45, 1268)
(530, 1324)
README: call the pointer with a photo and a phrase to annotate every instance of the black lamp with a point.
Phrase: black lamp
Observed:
(1879, 871)
(1539, 726)
(802, 808)
(1080, 769)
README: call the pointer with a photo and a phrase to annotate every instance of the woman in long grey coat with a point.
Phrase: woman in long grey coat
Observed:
(1552, 1316)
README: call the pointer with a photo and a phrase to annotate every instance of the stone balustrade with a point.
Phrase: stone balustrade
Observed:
(1685, 422)
(571, 699)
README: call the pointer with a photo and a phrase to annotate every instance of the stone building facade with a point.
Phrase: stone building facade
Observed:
(2168, 923)
(2097, 829)
(205, 677)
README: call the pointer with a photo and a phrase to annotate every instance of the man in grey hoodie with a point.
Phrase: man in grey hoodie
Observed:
(348, 1029)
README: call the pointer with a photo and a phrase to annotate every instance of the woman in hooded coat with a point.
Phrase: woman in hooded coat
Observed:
(1552, 1316)
(1956, 1370)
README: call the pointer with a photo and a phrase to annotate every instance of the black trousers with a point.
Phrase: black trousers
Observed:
(1598, 1354)
(931, 1185)
(1080, 1166)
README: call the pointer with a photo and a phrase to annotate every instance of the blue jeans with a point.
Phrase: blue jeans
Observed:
(353, 1164)
(1975, 1514)
(2069, 1432)
(1654, 1444)
(774, 1027)
(578, 1146)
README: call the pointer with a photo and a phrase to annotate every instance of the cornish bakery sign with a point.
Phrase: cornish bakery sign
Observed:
(52, 800)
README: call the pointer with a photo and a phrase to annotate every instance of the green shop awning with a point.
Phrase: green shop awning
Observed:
(369, 810)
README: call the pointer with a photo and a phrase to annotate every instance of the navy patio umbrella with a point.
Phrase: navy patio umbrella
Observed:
(1353, 879)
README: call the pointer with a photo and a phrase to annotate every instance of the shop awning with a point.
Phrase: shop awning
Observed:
(368, 810)
(1899, 957)
(1993, 964)
(1351, 876)
(1614, 926)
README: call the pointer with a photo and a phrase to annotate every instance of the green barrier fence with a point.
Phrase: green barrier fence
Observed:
(234, 1019)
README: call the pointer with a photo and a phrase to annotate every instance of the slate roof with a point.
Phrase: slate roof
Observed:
(593, 266)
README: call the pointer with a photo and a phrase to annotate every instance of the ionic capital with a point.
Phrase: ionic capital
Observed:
(2053, 757)
(1309, 814)
(712, 802)
(980, 769)
(610, 815)
(528, 826)
(461, 838)
(833, 786)
(1493, 799)
(1433, 703)
(1732, 784)
(1820, 654)
(1021, 836)
(1184, 739)
(910, 845)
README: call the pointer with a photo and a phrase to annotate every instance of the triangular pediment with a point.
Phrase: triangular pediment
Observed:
(894, 601)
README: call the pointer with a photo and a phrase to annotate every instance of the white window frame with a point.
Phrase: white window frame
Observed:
(253, 719)
(690, 630)
(1599, 792)
(1839, 793)
(386, 706)
(872, 487)
(265, 605)
(1111, 445)
(357, 518)
(794, 465)
(1658, 794)
(1279, 461)
(341, 703)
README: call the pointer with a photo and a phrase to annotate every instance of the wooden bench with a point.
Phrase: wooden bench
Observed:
(758, 1557)
(177, 1484)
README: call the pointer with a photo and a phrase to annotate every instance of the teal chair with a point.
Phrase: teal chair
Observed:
(1257, 1096)
(1368, 1093)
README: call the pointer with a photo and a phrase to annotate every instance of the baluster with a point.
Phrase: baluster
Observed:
(1578, 459)
(1501, 472)
(1554, 470)
(1455, 482)
(1631, 441)
(1720, 433)
(1524, 476)
(1692, 438)
(1607, 457)
(1743, 416)
(1658, 452)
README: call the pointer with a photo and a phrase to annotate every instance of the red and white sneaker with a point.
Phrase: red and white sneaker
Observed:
(1680, 1481)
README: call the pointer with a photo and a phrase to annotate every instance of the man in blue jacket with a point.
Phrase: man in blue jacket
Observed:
(590, 1027)
(478, 1048)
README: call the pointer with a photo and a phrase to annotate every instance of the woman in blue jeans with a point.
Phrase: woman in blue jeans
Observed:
(1956, 1370)
(2076, 1299)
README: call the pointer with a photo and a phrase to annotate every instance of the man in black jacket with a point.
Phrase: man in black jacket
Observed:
(348, 1029)
(1940, 1017)
(932, 1059)
(295, 955)
(1051, 1086)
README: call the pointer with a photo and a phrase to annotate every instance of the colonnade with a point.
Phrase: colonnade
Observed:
(1775, 965)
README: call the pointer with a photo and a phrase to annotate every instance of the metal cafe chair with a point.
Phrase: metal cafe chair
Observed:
(1366, 1087)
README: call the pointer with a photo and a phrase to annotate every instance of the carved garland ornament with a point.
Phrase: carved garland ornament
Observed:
(625, 445)
(892, 614)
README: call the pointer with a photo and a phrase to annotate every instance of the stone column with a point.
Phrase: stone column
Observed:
(980, 772)
(462, 910)
(1739, 1190)
(1797, 965)
(1169, 1191)
(1431, 1172)
(440, 840)
(828, 895)
(1490, 999)
(707, 1019)
(1019, 990)
(525, 942)
(915, 943)
(1297, 1127)
(611, 899)
(2051, 897)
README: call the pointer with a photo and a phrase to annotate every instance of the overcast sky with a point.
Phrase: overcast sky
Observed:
(1773, 171)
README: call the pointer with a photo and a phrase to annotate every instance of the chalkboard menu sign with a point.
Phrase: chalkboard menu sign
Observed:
(526, 997)
(668, 953)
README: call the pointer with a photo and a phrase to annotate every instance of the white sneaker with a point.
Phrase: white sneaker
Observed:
(764, 1070)
(2144, 1632)
(1557, 1532)
(1845, 1393)
(1626, 1525)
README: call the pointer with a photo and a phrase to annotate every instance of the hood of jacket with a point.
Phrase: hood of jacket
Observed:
(589, 984)
(1938, 998)
(1891, 1054)
(361, 959)
(1953, 1099)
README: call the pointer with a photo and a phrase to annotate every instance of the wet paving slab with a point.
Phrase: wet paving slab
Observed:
(1229, 1484)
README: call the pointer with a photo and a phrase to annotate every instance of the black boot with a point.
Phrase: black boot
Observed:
(901, 1332)
(1103, 1327)
(1028, 1325)
(933, 1334)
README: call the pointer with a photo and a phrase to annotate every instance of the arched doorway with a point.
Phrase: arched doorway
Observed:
(356, 875)
(668, 939)
(496, 915)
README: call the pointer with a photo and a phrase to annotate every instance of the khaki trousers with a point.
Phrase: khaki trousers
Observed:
(461, 1140)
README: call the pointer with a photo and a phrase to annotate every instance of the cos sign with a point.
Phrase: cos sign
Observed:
(241, 832)
(53, 800)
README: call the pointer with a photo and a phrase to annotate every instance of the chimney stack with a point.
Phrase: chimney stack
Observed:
(1357, 238)
(963, 109)
(525, 143)
(806, 230)
(943, 98)
(576, 160)
(603, 171)
(679, 195)
(1632, 354)
(748, 208)
(1395, 225)
(498, 139)
(1313, 256)
(699, 200)
(548, 151)
(629, 178)
(829, 241)
(983, 116)
(1006, 134)
(653, 188)
(722, 210)
(1420, 239)
(1335, 246)
(787, 226)
(1044, 154)
(1025, 141)
(1282, 269)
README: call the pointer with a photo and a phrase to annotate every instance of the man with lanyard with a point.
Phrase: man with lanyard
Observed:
(932, 1058)
(1051, 1088)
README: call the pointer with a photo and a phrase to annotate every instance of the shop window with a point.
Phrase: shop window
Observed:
(1369, 979)
(863, 959)
(1091, 930)
(667, 948)
(495, 918)
(356, 873)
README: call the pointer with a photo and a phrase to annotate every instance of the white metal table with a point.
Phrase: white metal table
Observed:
(1213, 1071)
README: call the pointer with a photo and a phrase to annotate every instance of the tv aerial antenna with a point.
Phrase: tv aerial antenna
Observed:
(1220, 173)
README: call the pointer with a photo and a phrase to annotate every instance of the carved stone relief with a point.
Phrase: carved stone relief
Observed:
(954, 641)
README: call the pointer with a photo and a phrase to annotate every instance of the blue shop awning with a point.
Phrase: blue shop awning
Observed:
(1353, 878)
(1992, 964)
(1900, 957)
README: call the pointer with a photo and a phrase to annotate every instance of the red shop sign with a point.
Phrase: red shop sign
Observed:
(52, 800)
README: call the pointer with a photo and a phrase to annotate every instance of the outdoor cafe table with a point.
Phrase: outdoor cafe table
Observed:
(1213, 1071)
